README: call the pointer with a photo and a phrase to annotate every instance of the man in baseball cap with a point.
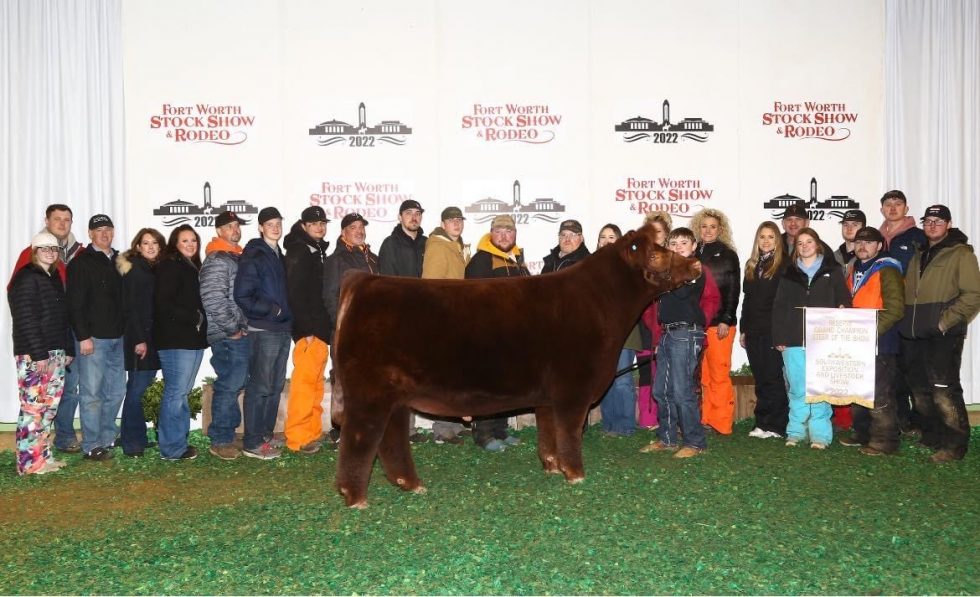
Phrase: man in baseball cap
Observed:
(569, 250)
(852, 221)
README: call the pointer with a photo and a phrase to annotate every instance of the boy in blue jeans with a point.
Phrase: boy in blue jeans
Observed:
(682, 323)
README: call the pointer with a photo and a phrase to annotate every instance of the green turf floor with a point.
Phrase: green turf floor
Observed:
(749, 516)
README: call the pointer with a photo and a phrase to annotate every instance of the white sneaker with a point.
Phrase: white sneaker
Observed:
(759, 433)
(792, 443)
(771, 435)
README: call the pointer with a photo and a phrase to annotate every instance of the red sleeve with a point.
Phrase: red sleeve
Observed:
(710, 298)
(24, 259)
(650, 320)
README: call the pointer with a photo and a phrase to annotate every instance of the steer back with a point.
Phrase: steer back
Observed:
(482, 347)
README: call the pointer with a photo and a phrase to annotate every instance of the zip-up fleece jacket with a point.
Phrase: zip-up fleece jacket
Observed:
(723, 263)
(881, 287)
(260, 287)
(39, 311)
(491, 262)
(225, 317)
(946, 290)
(95, 299)
(827, 289)
(344, 257)
(402, 255)
(445, 259)
(554, 262)
(304, 283)
(139, 283)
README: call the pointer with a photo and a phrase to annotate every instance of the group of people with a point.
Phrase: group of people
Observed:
(92, 327)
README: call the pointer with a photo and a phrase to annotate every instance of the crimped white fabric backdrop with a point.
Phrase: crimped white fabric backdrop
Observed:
(932, 119)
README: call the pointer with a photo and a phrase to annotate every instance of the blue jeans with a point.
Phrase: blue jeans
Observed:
(179, 372)
(266, 376)
(618, 406)
(64, 421)
(229, 358)
(102, 387)
(804, 419)
(133, 429)
(673, 389)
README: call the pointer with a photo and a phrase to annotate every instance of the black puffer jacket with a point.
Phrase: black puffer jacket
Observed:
(39, 311)
(553, 263)
(95, 298)
(402, 255)
(759, 295)
(304, 283)
(343, 258)
(139, 283)
(178, 317)
(827, 289)
(723, 263)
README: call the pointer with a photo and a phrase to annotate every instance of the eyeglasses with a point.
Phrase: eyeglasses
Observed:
(569, 235)
(935, 222)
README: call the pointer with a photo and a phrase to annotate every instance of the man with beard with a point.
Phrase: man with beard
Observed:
(570, 249)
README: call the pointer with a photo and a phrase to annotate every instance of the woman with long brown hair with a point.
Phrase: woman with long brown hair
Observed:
(763, 270)
(139, 350)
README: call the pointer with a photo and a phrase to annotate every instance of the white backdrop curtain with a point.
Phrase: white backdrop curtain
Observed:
(61, 115)
(932, 119)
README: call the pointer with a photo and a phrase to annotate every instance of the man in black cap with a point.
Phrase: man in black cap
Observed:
(402, 254)
(570, 249)
(796, 218)
(260, 291)
(942, 296)
(227, 333)
(350, 253)
(852, 221)
(96, 310)
(875, 282)
(306, 252)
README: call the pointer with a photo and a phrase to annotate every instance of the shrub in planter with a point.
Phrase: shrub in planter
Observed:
(153, 396)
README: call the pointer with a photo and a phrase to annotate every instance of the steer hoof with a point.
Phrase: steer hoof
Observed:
(415, 486)
(361, 505)
(550, 464)
(420, 489)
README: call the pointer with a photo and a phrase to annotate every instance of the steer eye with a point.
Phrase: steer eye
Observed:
(633, 247)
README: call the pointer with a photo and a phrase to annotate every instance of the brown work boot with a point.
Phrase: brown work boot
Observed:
(225, 451)
(688, 452)
(658, 446)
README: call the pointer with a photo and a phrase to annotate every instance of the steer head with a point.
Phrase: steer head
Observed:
(662, 268)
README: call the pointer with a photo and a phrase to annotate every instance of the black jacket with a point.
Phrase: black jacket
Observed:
(682, 305)
(139, 283)
(553, 263)
(723, 263)
(796, 290)
(343, 258)
(304, 283)
(401, 255)
(39, 311)
(95, 298)
(179, 321)
(260, 287)
(757, 307)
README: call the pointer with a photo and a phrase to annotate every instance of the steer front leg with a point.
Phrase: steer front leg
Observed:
(547, 449)
(359, 439)
(396, 452)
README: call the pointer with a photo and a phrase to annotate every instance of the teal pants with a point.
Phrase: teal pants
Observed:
(811, 420)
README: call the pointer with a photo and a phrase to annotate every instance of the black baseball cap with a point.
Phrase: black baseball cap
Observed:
(351, 218)
(268, 213)
(869, 234)
(933, 211)
(227, 217)
(313, 213)
(410, 204)
(796, 210)
(98, 221)
(855, 215)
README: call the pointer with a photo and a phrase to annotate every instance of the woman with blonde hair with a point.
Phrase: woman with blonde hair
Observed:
(646, 406)
(763, 271)
(716, 251)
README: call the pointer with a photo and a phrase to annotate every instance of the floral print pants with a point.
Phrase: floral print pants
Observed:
(40, 391)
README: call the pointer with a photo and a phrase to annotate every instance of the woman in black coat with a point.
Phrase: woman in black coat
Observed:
(762, 273)
(180, 332)
(43, 350)
(142, 361)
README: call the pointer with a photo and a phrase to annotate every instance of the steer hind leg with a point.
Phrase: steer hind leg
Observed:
(547, 448)
(568, 439)
(396, 452)
(359, 440)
